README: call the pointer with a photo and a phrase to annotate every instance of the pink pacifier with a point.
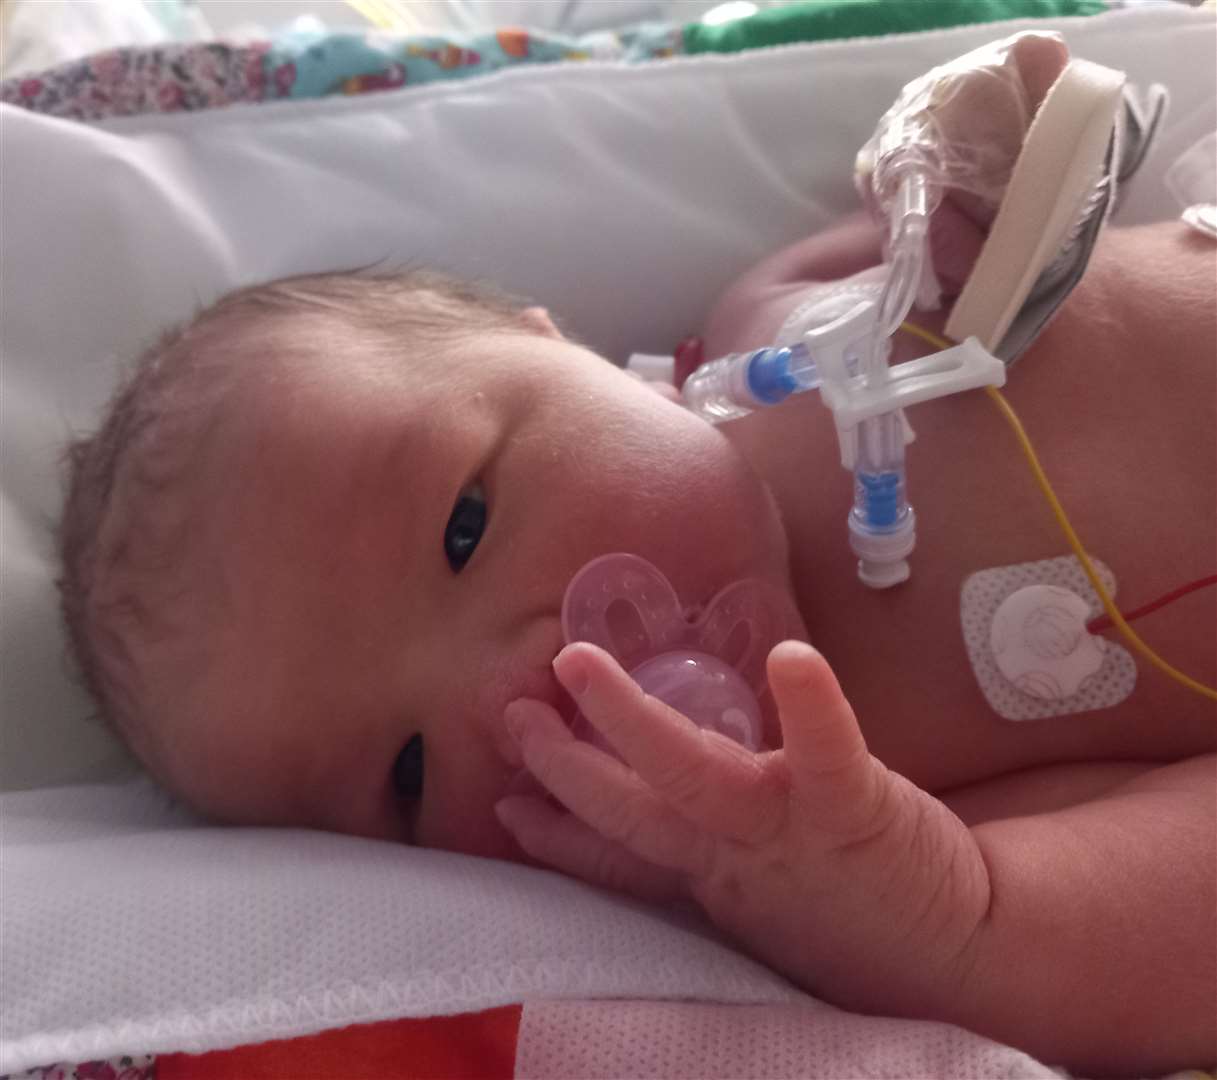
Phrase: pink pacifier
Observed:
(711, 668)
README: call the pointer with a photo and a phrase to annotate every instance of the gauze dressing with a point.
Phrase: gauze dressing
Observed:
(707, 663)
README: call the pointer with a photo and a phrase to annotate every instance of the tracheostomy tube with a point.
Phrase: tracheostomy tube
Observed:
(842, 359)
(908, 238)
(927, 142)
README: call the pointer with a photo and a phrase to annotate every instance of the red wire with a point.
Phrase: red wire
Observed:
(1105, 623)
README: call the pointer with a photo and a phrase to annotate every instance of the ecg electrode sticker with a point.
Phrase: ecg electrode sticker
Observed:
(1048, 632)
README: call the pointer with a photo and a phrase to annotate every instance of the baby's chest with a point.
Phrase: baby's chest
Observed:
(1127, 474)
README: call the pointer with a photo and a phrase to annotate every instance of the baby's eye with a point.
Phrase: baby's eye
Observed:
(465, 526)
(408, 770)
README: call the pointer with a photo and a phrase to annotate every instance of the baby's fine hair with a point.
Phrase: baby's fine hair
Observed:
(129, 510)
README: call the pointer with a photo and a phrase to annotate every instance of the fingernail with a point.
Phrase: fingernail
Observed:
(571, 671)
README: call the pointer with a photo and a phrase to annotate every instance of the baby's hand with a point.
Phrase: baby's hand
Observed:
(828, 867)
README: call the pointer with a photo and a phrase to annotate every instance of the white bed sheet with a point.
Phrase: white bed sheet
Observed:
(623, 198)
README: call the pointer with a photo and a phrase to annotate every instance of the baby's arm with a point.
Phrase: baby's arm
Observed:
(1082, 935)
(1099, 948)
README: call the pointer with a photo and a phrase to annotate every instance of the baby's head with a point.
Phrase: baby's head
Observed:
(323, 536)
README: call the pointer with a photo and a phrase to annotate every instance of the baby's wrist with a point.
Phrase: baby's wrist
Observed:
(954, 931)
(922, 950)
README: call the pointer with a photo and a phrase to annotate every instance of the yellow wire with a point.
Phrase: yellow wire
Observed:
(1041, 478)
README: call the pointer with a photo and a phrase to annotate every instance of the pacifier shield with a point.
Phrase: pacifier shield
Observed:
(711, 668)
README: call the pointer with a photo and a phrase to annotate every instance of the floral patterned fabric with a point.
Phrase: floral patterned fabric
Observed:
(125, 82)
(175, 78)
(298, 65)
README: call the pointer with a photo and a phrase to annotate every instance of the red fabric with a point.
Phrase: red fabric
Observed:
(463, 1047)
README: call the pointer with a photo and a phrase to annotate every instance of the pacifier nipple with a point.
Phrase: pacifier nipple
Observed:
(709, 692)
(706, 662)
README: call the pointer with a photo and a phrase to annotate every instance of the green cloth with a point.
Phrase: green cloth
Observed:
(822, 20)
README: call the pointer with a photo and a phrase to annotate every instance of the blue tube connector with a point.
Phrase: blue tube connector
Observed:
(740, 383)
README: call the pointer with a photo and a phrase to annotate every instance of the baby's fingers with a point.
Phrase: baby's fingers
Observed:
(603, 793)
(565, 843)
(712, 782)
(832, 772)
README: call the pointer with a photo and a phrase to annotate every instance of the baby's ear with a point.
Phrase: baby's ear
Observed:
(538, 320)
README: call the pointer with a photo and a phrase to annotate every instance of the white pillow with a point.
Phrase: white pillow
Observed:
(622, 197)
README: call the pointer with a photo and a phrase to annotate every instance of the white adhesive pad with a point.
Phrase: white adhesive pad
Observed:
(1092, 673)
(1040, 642)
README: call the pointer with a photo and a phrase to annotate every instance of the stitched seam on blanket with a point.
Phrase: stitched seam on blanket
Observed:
(375, 998)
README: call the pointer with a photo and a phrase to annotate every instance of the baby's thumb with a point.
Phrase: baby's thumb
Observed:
(820, 733)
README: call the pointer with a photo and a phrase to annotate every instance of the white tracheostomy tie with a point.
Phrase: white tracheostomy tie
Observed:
(1024, 627)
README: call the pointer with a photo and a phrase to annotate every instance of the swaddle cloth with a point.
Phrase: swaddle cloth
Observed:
(210, 937)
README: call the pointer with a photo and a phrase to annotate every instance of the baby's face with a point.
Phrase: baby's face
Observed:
(362, 600)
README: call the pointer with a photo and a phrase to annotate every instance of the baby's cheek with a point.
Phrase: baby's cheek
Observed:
(469, 764)
(460, 817)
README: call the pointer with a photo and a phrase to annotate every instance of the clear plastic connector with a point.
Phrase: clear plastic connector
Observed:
(740, 383)
(881, 521)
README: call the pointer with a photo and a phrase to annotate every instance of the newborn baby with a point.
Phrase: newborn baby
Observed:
(314, 562)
